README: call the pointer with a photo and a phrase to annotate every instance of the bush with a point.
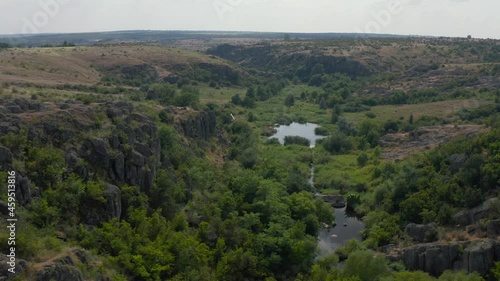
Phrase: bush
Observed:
(289, 140)
(366, 266)
(320, 131)
(362, 159)
(337, 143)
(349, 247)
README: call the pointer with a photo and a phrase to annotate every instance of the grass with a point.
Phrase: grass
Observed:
(78, 65)
(219, 96)
(341, 170)
(441, 109)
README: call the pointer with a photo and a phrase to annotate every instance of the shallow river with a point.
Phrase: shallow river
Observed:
(347, 227)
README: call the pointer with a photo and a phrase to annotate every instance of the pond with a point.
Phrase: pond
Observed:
(347, 227)
(305, 130)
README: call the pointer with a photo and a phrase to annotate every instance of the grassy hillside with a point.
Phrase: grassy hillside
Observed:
(99, 64)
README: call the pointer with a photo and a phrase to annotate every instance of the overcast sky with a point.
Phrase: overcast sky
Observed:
(479, 18)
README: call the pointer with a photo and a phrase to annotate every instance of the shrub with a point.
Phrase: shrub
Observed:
(337, 143)
(366, 266)
(320, 131)
(362, 158)
(289, 140)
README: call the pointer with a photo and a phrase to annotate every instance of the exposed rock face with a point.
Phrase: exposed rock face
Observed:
(421, 232)
(61, 270)
(23, 192)
(472, 256)
(4, 268)
(202, 126)
(493, 229)
(5, 158)
(472, 216)
(130, 159)
(96, 212)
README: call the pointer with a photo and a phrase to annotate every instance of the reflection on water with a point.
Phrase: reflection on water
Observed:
(296, 129)
(347, 228)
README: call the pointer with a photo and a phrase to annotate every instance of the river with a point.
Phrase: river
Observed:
(347, 227)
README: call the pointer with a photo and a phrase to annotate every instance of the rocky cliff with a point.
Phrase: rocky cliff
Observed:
(472, 256)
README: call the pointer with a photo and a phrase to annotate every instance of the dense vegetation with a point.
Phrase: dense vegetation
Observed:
(228, 203)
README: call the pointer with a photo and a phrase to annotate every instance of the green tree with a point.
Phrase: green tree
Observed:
(366, 265)
(289, 100)
(362, 158)
(45, 165)
(236, 99)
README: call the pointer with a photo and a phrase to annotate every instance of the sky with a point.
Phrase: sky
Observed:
(453, 18)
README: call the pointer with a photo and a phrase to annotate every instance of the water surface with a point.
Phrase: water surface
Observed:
(296, 129)
(331, 239)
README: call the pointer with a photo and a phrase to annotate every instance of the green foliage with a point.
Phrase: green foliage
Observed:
(370, 130)
(189, 96)
(459, 276)
(381, 228)
(362, 158)
(337, 143)
(321, 131)
(289, 140)
(412, 276)
(289, 100)
(165, 93)
(366, 266)
(349, 247)
(42, 214)
(45, 165)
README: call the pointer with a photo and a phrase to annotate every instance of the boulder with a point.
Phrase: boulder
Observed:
(117, 171)
(420, 232)
(5, 158)
(16, 109)
(493, 229)
(114, 141)
(21, 265)
(61, 270)
(202, 126)
(472, 216)
(136, 158)
(143, 149)
(23, 191)
(337, 201)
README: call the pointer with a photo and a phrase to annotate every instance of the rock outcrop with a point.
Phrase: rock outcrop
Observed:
(493, 229)
(20, 266)
(422, 232)
(472, 256)
(23, 191)
(5, 158)
(61, 270)
(337, 201)
(472, 216)
(201, 126)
